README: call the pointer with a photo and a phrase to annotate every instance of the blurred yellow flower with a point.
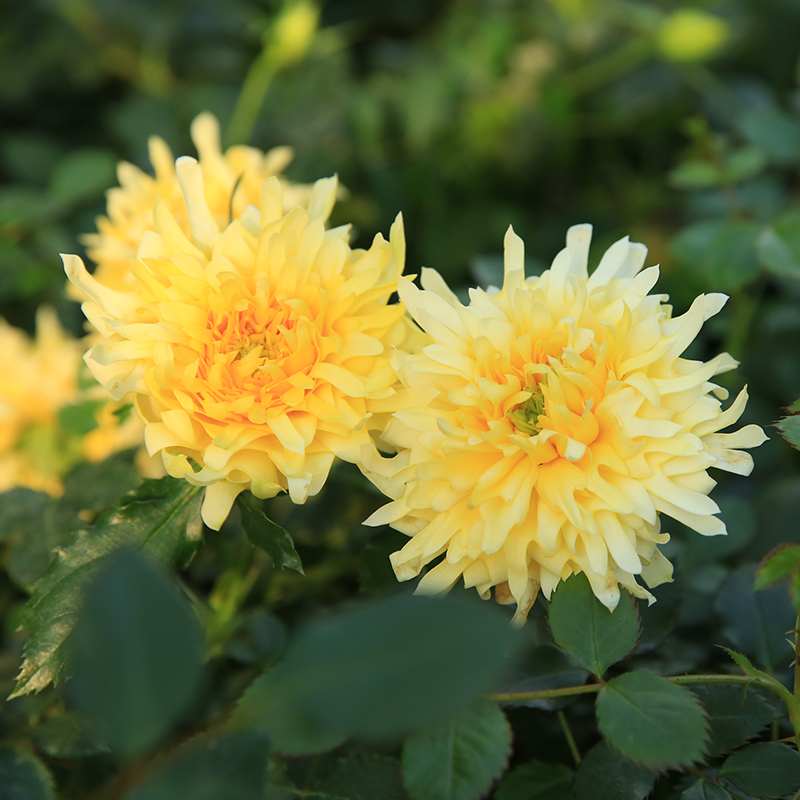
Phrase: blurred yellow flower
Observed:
(38, 380)
(560, 421)
(231, 182)
(692, 35)
(257, 350)
(292, 33)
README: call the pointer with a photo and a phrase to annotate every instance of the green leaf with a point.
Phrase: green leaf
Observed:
(774, 131)
(705, 790)
(651, 721)
(23, 776)
(161, 518)
(696, 174)
(744, 163)
(778, 246)
(382, 669)
(18, 508)
(267, 535)
(211, 768)
(590, 634)
(606, 775)
(78, 420)
(460, 760)
(723, 252)
(82, 175)
(794, 408)
(767, 769)
(790, 429)
(777, 565)
(756, 622)
(137, 650)
(67, 735)
(734, 715)
(536, 780)
(361, 776)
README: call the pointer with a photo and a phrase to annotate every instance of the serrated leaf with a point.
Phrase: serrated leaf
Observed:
(382, 669)
(78, 420)
(606, 775)
(136, 654)
(734, 715)
(651, 721)
(23, 776)
(211, 768)
(790, 429)
(586, 630)
(161, 518)
(18, 508)
(778, 246)
(262, 532)
(460, 760)
(544, 667)
(536, 780)
(705, 790)
(767, 769)
(777, 565)
(361, 776)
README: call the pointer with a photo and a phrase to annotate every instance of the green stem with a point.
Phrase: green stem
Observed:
(251, 98)
(608, 68)
(591, 688)
(573, 748)
(745, 304)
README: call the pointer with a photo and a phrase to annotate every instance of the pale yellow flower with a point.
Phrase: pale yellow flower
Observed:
(561, 420)
(231, 183)
(256, 350)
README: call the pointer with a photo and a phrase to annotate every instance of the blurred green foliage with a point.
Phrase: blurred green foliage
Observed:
(467, 116)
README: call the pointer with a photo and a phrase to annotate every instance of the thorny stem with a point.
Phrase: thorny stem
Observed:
(573, 748)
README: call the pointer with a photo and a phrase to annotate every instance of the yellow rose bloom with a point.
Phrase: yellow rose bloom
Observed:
(561, 421)
(231, 181)
(258, 350)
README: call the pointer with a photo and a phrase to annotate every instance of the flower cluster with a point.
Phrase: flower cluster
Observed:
(537, 432)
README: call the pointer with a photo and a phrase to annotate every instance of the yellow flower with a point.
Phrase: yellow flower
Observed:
(257, 350)
(560, 421)
(231, 180)
(37, 378)
(692, 35)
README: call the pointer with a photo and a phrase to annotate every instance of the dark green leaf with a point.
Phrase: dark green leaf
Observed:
(777, 565)
(381, 669)
(67, 735)
(745, 163)
(591, 634)
(82, 175)
(705, 790)
(651, 721)
(19, 510)
(774, 131)
(162, 518)
(460, 760)
(606, 775)
(790, 429)
(211, 768)
(361, 776)
(536, 780)
(23, 776)
(756, 622)
(264, 533)
(794, 408)
(734, 715)
(767, 769)
(137, 649)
